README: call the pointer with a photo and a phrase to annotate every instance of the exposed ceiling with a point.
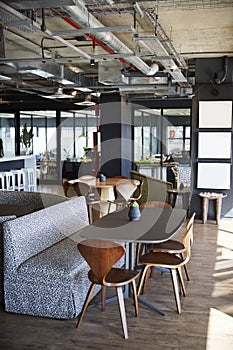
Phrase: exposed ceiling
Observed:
(92, 47)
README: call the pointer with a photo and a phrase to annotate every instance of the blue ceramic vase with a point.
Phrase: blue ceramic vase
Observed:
(134, 213)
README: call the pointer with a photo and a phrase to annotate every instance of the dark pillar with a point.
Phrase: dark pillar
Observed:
(116, 136)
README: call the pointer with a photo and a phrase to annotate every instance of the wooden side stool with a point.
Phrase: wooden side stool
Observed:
(206, 197)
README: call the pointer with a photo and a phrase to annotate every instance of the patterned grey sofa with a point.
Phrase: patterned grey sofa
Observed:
(2, 219)
(44, 274)
(34, 200)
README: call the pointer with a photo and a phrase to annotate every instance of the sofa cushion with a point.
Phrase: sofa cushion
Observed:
(29, 235)
(35, 200)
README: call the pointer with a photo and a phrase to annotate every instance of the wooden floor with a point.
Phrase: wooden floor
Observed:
(206, 321)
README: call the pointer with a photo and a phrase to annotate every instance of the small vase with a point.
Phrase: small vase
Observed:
(134, 213)
(103, 178)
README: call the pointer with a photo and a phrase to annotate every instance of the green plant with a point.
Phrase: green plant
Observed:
(26, 135)
(134, 204)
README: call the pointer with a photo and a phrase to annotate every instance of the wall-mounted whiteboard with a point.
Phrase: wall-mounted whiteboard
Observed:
(214, 176)
(214, 145)
(215, 114)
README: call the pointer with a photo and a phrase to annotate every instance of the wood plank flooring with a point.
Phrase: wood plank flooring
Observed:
(206, 322)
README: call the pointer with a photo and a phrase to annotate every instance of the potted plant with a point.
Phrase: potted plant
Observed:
(134, 211)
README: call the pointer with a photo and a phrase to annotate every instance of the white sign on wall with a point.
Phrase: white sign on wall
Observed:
(215, 114)
(214, 176)
(214, 145)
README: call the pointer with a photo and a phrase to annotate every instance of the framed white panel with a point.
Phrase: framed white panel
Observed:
(214, 176)
(214, 145)
(215, 114)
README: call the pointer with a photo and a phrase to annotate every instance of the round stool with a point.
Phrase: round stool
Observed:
(9, 180)
(19, 177)
(29, 179)
(206, 197)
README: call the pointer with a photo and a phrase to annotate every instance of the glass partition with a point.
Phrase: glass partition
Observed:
(162, 144)
(7, 133)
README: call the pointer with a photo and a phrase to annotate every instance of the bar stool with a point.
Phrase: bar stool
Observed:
(29, 179)
(19, 178)
(9, 181)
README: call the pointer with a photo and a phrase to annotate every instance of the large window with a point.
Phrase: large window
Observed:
(162, 136)
(7, 133)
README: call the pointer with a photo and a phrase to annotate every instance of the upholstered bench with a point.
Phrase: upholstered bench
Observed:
(44, 274)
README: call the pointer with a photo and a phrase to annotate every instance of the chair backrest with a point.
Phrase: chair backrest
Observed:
(125, 189)
(138, 192)
(188, 238)
(81, 188)
(155, 204)
(100, 255)
(88, 179)
(189, 225)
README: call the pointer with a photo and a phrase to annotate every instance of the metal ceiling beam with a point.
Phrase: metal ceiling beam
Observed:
(94, 30)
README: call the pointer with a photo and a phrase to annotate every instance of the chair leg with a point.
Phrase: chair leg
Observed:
(89, 294)
(181, 281)
(103, 297)
(176, 289)
(142, 279)
(122, 311)
(185, 268)
(89, 205)
(109, 207)
(135, 297)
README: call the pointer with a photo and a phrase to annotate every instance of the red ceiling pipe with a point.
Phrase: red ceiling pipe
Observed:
(95, 41)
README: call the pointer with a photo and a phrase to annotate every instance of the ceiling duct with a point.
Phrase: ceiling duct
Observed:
(37, 4)
(86, 19)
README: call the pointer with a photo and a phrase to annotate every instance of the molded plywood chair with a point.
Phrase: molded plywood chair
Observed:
(151, 204)
(83, 189)
(101, 255)
(176, 247)
(124, 192)
(171, 262)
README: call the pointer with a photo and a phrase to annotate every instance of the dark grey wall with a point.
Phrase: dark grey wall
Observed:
(207, 89)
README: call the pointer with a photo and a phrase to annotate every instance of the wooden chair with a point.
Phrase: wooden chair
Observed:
(176, 247)
(83, 189)
(124, 192)
(101, 255)
(150, 204)
(171, 262)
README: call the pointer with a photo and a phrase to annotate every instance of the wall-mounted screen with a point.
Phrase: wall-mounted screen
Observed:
(214, 176)
(215, 114)
(214, 145)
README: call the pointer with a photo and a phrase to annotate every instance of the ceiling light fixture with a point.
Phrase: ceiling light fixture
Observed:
(87, 102)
